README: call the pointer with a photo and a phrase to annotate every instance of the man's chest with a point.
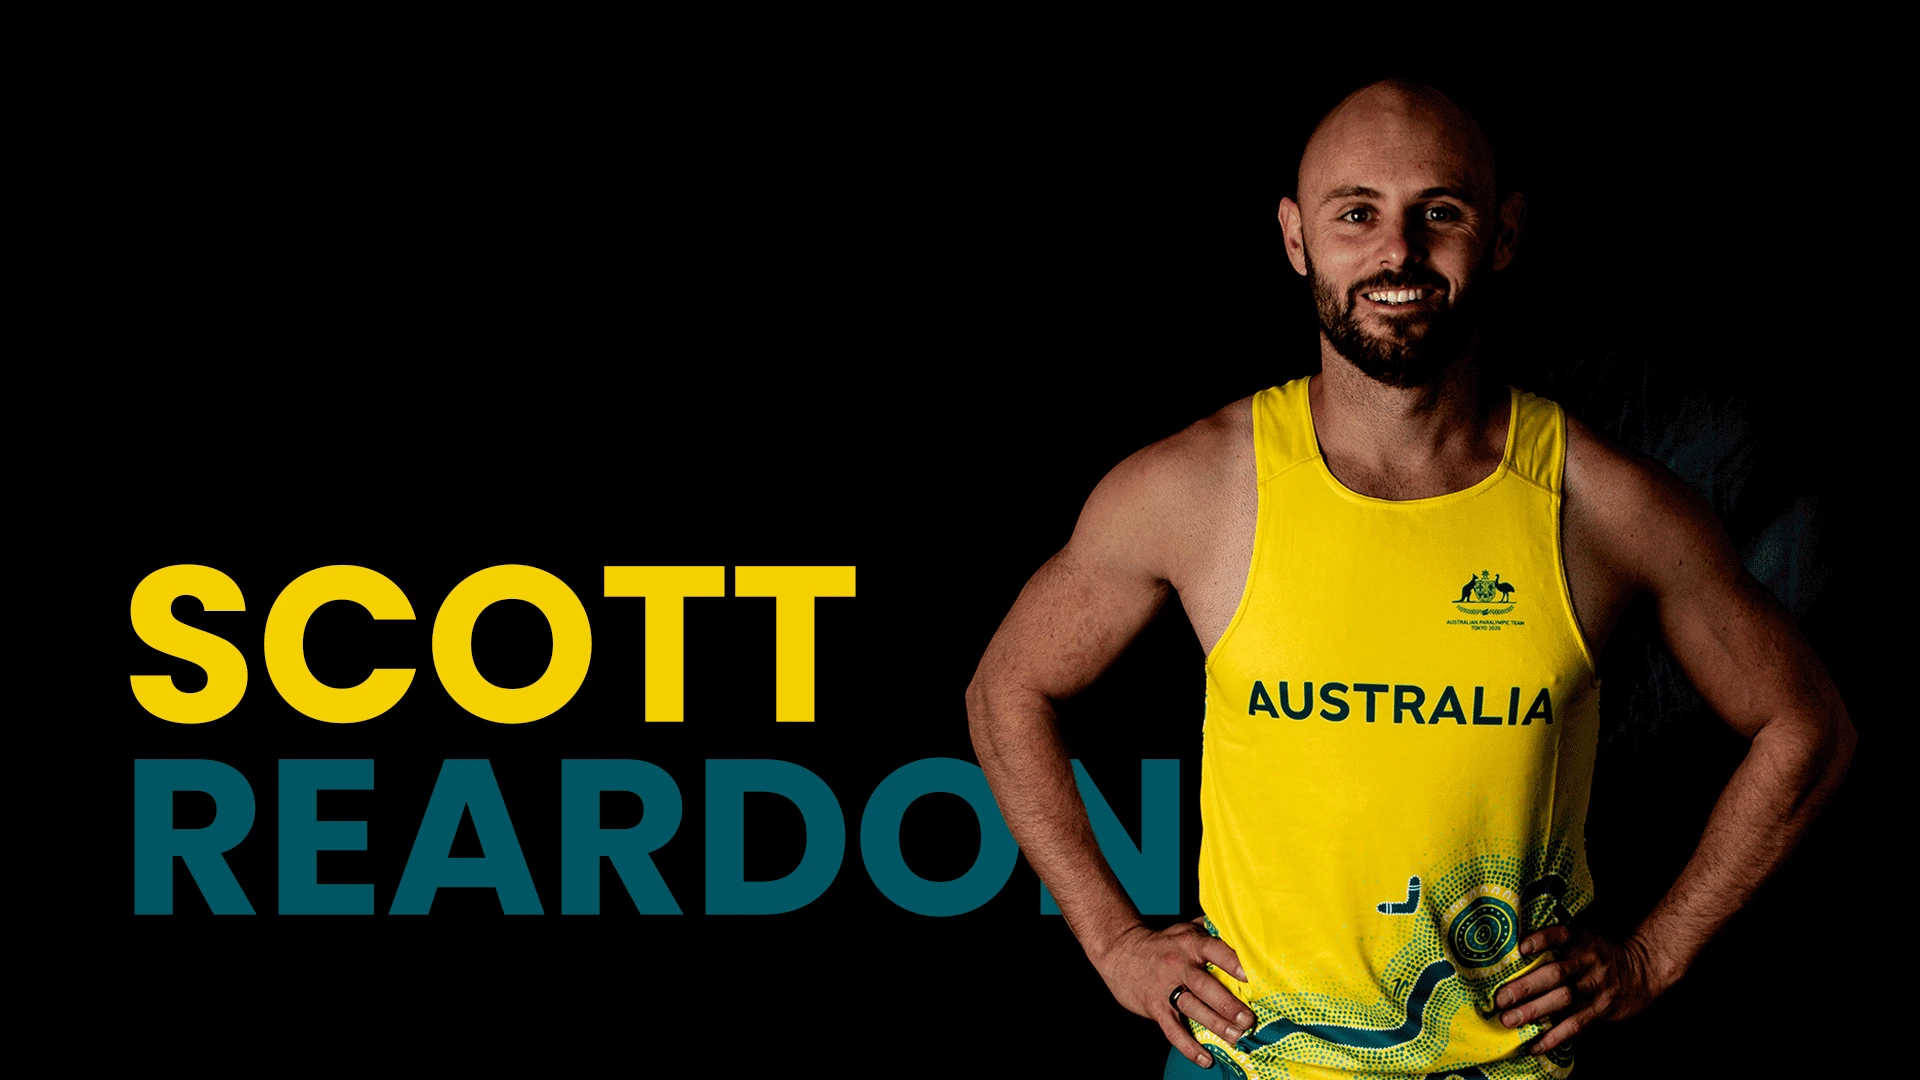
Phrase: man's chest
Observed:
(1213, 571)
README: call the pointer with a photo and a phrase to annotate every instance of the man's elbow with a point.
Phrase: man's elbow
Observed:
(1002, 710)
(980, 710)
(1821, 746)
(1835, 740)
(1841, 743)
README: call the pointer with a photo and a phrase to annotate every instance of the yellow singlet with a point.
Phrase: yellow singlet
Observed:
(1400, 731)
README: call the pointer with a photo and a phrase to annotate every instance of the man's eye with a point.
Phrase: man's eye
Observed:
(1357, 216)
(1442, 213)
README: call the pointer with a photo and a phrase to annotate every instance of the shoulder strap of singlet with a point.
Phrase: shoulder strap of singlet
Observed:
(1539, 441)
(1282, 429)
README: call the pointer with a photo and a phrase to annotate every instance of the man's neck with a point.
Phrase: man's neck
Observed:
(1407, 442)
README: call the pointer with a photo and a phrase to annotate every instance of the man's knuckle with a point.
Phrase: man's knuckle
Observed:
(1226, 1004)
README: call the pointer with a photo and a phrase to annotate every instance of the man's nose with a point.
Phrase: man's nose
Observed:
(1402, 242)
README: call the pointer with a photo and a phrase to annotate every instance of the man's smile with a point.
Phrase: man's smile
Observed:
(1394, 298)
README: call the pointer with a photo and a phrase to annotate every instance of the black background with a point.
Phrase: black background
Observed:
(432, 317)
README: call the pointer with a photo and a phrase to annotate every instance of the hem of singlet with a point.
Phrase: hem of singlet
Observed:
(1474, 490)
(1259, 531)
(1180, 1067)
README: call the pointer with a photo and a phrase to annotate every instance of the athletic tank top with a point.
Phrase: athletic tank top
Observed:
(1400, 730)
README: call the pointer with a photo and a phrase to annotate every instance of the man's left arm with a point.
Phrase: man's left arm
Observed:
(1645, 531)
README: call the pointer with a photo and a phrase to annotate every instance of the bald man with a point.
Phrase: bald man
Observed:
(1396, 766)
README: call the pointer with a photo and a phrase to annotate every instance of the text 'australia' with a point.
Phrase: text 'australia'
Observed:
(1402, 701)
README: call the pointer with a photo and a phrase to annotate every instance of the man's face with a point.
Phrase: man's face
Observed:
(1395, 227)
(1402, 326)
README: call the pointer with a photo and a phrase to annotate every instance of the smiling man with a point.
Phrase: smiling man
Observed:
(1396, 766)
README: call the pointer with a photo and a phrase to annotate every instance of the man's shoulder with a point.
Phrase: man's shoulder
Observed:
(1175, 493)
(1610, 479)
(1224, 434)
(1635, 514)
(1196, 461)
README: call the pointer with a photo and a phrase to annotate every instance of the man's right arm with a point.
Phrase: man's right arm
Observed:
(1073, 619)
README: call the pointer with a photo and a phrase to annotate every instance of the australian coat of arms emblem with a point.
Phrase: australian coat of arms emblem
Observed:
(1486, 594)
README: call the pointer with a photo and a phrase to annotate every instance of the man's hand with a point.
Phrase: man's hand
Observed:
(1143, 967)
(1594, 978)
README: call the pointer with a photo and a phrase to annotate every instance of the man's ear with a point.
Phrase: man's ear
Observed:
(1296, 241)
(1513, 219)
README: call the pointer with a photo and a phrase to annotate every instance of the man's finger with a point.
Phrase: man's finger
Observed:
(1204, 1015)
(1532, 984)
(1552, 1001)
(1216, 1008)
(1551, 938)
(1175, 1029)
(1221, 955)
(1564, 1030)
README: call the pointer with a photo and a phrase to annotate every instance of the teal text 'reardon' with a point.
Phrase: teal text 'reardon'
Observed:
(467, 789)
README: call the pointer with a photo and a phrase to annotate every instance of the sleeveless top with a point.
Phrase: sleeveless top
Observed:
(1400, 730)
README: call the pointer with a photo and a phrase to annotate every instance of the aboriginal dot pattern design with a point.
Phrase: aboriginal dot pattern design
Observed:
(1483, 932)
(1464, 947)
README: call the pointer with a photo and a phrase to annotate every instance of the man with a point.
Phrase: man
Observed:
(1396, 765)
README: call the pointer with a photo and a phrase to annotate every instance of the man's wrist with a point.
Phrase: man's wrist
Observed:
(1100, 944)
(1662, 965)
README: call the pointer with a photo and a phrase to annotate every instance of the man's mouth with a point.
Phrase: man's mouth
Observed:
(1400, 297)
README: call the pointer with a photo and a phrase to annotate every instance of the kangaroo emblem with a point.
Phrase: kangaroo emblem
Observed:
(1485, 587)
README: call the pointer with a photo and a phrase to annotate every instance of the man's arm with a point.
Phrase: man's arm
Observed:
(1075, 616)
(1641, 530)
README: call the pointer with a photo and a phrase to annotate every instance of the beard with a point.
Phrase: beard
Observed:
(1415, 348)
